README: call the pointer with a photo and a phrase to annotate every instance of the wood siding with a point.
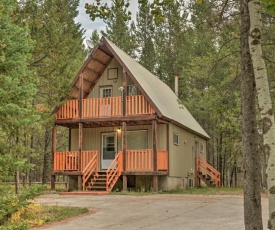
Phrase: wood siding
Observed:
(182, 156)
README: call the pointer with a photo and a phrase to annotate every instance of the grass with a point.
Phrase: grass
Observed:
(36, 215)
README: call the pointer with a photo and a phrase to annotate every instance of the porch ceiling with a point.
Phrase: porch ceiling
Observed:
(92, 70)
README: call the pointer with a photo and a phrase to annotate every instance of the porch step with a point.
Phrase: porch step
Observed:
(98, 182)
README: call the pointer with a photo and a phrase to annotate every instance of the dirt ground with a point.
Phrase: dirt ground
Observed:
(159, 212)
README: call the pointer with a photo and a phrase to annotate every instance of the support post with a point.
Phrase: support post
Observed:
(80, 124)
(79, 183)
(124, 182)
(53, 160)
(80, 140)
(124, 147)
(124, 95)
(155, 184)
(52, 182)
(155, 154)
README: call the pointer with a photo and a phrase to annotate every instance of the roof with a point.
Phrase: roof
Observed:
(162, 98)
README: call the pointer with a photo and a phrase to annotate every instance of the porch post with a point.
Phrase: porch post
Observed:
(155, 155)
(80, 128)
(53, 160)
(124, 128)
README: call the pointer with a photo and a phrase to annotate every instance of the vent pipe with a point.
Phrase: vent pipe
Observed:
(177, 86)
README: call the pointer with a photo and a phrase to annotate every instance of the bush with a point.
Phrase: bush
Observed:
(11, 203)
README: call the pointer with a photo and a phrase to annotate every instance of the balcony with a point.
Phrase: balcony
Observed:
(105, 107)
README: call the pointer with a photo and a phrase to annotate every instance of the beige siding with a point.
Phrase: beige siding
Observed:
(103, 81)
(92, 137)
(181, 157)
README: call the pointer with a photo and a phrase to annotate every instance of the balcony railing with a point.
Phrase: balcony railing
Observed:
(68, 161)
(105, 107)
(143, 160)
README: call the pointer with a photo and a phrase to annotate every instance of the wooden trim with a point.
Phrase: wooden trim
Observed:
(98, 61)
(70, 139)
(103, 119)
(80, 143)
(124, 144)
(112, 77)
(124, 76)
(168, 145)
(155, 183)
(143, 173)
(132, 77)
(80, 95)
(124, 179)
(53, 145)
(155, 155)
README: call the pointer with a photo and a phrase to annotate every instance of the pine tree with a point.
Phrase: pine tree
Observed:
(144, 36)
(119, 29)
(18, 87)
(58, 55)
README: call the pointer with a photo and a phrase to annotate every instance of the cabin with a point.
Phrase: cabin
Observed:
(127, 130)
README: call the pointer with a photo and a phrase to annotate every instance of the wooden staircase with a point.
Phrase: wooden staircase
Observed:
(102, 182)
(98, 182)
(205, 172)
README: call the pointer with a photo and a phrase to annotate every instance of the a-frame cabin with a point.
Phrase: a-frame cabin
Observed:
(127, 129)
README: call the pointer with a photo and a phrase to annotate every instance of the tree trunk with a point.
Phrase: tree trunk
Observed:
(264, 100)
(47, 158)
(251, 158)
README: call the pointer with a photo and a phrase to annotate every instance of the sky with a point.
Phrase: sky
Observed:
(98, 24)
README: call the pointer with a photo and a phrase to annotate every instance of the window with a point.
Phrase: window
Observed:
(131, 90)
(137, 139)
(176, 139)
(112, 73)
(191, 183)
(105, 92)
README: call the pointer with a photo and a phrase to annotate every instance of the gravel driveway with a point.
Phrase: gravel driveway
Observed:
(160, 212)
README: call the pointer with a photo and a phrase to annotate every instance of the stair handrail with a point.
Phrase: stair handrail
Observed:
(89, 170)
(114, 171)
(209, 170)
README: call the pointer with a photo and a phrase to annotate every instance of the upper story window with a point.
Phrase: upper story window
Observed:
(105, 92)
(176, 139)
(132, 90)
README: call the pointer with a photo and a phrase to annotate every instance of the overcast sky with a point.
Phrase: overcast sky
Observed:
(98, 25)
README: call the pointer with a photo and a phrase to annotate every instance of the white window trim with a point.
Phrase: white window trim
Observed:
(176, 143)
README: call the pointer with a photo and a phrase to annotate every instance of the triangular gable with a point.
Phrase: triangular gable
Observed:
(158, 94)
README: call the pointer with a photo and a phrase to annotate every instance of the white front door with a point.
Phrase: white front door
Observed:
(105, 105)
(109, 149)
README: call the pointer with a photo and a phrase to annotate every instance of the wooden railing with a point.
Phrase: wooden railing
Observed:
(114, 171)
(68, 161)
(138, 105)
(105, 107)
(91, 168)
(69, 110)
(102, 107)
(204, 167)
(143, 160)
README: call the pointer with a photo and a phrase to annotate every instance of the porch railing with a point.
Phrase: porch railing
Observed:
(204, 167)
(105, 107)
(68, 161)
(138, 105)
(143, 160)
(102, 107)
(69, 110)
(90, 169)
(114, 171)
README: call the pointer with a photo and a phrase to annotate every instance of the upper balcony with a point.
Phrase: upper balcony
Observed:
(105, 107)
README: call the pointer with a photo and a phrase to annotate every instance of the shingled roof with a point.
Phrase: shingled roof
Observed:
(162, 98)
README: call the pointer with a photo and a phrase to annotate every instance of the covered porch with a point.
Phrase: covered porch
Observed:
(133, 162)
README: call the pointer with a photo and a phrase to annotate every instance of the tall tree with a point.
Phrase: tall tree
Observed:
(252, 189)
(18, 87)
(119, 28)
(58, 54)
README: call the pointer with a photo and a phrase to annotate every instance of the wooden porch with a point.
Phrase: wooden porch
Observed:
(87, 163)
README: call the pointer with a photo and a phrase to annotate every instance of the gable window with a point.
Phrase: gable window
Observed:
(131, 90)
(105, 92)
(176, 139)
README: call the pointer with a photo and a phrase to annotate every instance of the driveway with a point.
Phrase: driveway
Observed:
(160, 212)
